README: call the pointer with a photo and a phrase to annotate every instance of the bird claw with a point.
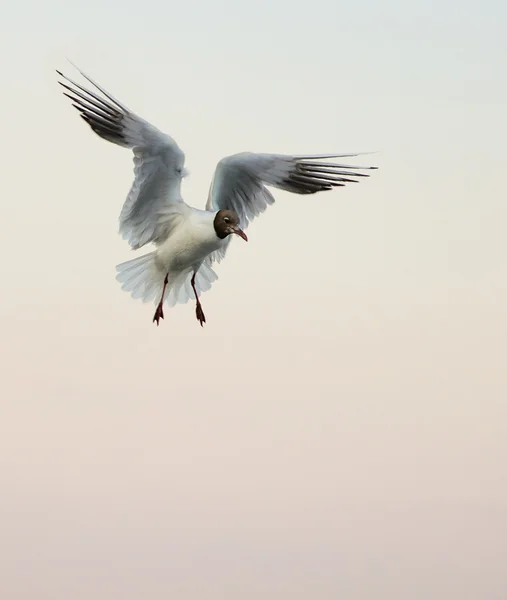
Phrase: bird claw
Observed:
(200, 314)
(159, 314)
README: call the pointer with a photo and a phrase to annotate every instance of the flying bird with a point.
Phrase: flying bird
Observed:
(189, 240)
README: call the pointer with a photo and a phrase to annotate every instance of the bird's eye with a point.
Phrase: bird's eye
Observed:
(227, 220)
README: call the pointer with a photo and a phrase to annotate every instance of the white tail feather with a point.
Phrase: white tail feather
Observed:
(145, 281)
(141, 278)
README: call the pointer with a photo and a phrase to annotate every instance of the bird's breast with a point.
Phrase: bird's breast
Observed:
(187, 246)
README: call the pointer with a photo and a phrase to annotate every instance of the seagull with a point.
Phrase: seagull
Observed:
(189, 240)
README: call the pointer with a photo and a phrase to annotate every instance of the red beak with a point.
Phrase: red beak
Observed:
(241, 234)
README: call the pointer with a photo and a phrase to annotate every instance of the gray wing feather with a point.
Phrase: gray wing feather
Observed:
(154, 202)
(240, 181)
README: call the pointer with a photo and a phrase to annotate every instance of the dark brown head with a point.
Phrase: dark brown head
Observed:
(227, 222)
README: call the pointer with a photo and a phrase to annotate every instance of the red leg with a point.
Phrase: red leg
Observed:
(159, 313)
(198, 308)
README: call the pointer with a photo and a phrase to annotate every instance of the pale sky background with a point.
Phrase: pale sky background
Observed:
(338, 429)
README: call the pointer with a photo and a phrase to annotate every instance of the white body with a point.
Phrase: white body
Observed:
(184, 252)
(189, 243)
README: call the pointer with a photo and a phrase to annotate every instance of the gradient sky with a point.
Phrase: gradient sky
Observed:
(338, 429)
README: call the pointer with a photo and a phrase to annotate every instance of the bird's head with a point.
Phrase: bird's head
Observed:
(227, 222)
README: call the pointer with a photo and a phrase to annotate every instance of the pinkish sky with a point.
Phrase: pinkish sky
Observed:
(338, 429)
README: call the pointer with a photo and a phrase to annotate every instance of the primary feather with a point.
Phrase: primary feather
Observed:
(240, 180)
(154, 204)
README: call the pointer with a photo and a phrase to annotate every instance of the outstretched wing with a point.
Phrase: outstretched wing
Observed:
(240, 181)
(154, 203)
